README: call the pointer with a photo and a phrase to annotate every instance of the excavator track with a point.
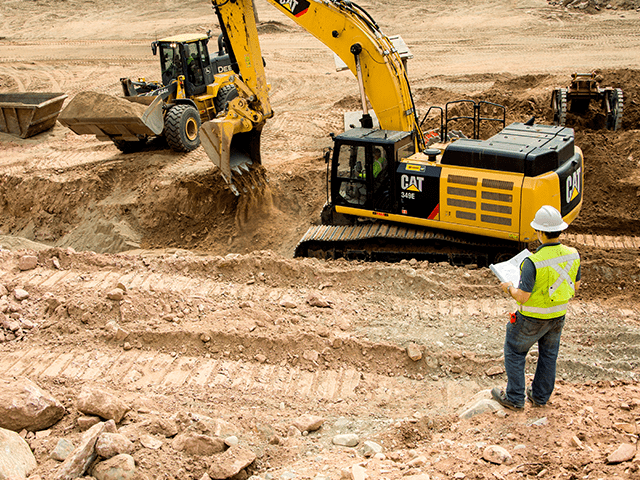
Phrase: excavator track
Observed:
(391, 243)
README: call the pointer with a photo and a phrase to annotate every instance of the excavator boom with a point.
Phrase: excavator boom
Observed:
(345, 29)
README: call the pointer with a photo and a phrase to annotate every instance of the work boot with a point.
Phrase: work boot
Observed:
(530, 398)
(500, 396)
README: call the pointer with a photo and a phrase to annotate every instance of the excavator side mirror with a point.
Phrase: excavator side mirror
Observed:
(154, 47)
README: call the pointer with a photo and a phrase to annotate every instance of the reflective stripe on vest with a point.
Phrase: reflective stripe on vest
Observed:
(541, 304)
(563, 273)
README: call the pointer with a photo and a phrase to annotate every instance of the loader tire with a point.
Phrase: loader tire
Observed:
(182, 128)
(559, 106)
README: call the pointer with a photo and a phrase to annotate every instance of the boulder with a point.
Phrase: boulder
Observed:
(27, 262)
(194, 443)
(24, 405)
(94, 401)
(120, 467)
(16, 458)
(62, 450)
(623, 453)
(308, 423)
(111, 444)
(346, 440)
(497, 454)
(230, 463)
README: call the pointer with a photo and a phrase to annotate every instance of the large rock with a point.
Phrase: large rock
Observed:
(111, 444)
(308, 423)
(24, 405)
(497, 454)
(16, 458)
(158, 425)
(194, 443)
(94, 401)
(120, 467)
(231, 462)
(346, 439)
(623, 453)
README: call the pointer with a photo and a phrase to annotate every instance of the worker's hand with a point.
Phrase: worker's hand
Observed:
(505, 287)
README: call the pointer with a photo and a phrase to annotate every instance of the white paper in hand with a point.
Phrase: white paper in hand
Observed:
(509, 271)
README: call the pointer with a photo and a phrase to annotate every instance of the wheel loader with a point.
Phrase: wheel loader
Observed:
(195, 88)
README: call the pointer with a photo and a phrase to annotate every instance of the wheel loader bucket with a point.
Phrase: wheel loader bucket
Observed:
(231, 152)
(113, 118)
(27, 114)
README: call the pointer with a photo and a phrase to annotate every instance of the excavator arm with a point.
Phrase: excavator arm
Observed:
(343, 27)
(355, 37)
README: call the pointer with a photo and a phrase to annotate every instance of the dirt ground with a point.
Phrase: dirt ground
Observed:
(212, 290)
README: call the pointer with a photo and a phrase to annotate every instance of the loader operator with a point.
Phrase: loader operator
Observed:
(549, 279)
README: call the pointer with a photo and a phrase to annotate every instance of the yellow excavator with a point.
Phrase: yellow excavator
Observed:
(397, 192)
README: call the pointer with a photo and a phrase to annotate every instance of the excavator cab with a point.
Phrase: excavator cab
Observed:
(363, 165)
(186, 55)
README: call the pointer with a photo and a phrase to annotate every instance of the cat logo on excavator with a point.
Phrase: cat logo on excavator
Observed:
(295, 7)
(411, 183)
(573, 185)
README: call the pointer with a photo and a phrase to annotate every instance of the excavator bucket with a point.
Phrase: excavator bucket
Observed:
(113, 118)
(231, 152)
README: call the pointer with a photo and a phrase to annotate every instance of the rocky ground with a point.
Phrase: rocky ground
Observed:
(163, 328)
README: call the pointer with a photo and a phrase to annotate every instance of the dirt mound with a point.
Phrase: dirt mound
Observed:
(597, 6)
(87, 105)
(272, 27)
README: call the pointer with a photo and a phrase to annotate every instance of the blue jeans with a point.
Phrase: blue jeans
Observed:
(520, 337)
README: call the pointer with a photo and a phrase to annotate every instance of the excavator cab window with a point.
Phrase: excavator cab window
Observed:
(351, 174)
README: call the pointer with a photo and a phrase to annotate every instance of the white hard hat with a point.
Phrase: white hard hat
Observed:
(548, 219)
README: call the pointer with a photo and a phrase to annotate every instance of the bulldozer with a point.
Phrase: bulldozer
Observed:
(196, 89)
(577, 97)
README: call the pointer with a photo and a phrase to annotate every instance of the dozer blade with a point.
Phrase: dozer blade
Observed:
(231, 152)
(113, 118)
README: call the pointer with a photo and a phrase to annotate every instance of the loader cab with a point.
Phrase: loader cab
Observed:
(363, 166)
(185, 55)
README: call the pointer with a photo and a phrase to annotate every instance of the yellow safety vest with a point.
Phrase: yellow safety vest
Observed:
(556, 271)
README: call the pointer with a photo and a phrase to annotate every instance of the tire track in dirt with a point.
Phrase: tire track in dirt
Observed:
(136, 369)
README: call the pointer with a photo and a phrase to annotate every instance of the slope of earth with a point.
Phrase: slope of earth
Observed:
(219, 321)
(259, 340)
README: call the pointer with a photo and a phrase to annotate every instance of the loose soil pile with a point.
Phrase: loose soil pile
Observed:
(96, 105)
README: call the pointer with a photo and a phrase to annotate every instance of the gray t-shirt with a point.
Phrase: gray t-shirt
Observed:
(528, 274)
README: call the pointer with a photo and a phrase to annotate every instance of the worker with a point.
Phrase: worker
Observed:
(379, 162)
(549, 278)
